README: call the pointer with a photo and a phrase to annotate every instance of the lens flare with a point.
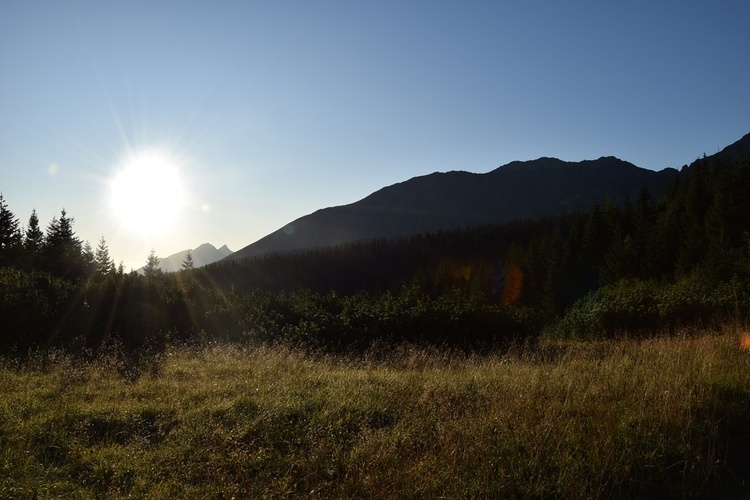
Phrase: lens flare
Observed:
(513, 285)
(458, 271)
(745, 341)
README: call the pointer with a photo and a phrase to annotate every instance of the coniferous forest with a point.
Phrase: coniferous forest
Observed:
(643, 266)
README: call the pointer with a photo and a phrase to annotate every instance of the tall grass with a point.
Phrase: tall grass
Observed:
(667, 417)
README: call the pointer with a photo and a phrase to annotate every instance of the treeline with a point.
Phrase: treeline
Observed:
(640, 266)
(57, 251)
(471, 260)
(682, 259)
(139, 312)
(56, 292)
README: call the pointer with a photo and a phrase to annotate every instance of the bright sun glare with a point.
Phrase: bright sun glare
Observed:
(147, 194)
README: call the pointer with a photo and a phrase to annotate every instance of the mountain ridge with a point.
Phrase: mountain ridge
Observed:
(450, 200)
(203, 255)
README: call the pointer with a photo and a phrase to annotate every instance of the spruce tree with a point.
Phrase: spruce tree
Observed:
(627, 216)
(103, 264)
(152, 269)
(62, 249)
(87, 254)
(619, 261)
(187, 264)
(644, 222)
(10, 235)
(595, 238)
(693, 242)
(34, 239)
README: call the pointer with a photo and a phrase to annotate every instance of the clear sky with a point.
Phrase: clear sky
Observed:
(266, 111)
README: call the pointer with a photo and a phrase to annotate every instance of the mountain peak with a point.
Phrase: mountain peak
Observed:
(202, 256)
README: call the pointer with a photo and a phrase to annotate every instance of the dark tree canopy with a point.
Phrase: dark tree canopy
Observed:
(103, 263)
(10, 235)
(63, 251)
(187, 264)
(34, 239)
(152, 269)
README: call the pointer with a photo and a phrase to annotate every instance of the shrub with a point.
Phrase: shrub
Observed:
(637, 306)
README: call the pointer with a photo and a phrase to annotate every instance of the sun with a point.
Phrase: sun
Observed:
(147, 193)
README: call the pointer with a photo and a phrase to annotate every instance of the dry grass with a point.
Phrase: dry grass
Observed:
(663, 417)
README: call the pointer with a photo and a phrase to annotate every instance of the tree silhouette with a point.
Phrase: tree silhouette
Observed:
(34, 238)
(62, 249)
(152, 269)
(10, 235)
(187, 264)
(87, 255)
(103, 264)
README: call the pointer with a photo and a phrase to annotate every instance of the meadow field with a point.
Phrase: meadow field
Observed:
(667, 417)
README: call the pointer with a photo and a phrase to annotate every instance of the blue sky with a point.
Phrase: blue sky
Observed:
(272, 110)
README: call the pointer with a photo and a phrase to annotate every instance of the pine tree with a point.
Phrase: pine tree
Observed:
(644, 222)
(103, 264)
(60, 233)
(63, 254)
(612, 216)
(34, 239)
(152, 269)
(627, 216)
(187, 264)
(693, 243)
(10, 235)
(120, 270)
(87, 255)
(595, 237)
(619, 261)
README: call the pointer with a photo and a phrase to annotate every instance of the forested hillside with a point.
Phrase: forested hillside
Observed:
(638, 266)
(446, 201)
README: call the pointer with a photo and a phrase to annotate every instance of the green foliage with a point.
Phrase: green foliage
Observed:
(334, 322)
(637, 307)
(31, 307)
(627, 306)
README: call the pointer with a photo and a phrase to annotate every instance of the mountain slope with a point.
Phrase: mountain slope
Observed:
(444, 201)
(730, 154)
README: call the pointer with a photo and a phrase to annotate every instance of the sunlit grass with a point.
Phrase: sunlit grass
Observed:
(665, 416)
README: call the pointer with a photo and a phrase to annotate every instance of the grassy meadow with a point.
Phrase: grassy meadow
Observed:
(667, 417)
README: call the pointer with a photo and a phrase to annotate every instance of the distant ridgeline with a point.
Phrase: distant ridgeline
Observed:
(201, 256)
(581, 249)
